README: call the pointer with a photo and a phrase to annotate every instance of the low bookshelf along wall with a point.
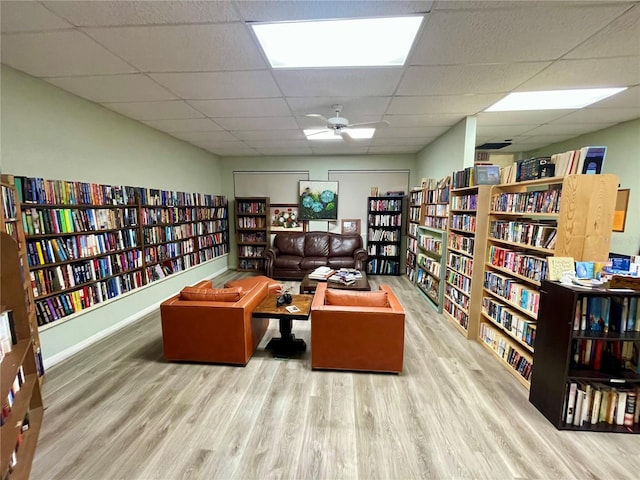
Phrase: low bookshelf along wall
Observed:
(88, 243)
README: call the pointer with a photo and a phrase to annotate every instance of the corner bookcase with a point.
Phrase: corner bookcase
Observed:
(20, 389)
(528, 222)
(415, 215)
(430, 264)
(384, 234)
(466, 247)
(252, 232)
(587, 375)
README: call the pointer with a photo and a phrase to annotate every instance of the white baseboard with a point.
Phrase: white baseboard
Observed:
(78, 347)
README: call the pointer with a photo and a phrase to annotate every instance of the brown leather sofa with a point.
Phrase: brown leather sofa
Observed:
(213, 331)
(295, 254)
(349, 333)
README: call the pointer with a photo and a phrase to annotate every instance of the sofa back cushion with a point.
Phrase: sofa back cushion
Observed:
(344, 245)
(211, 294)
(348, 298)
(316, 244)
(290, 243)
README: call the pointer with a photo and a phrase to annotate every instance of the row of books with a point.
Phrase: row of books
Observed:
(9, 401)
(436, 210)
(412, 230)
(213, 239)
(38, 221)
(501, 345)
(8, 336)
(251, 222)
(414, 214)
(436, 222)
(8, 203)
(456, 312)
(512, 321)
(415, 197)
(150, 215)
(250, 251)
(59, 306)
(535, 234)
(386, 250)
(252, 237)
(46, 281)
(515, 292)
(457, 296)
(385, 220)
(209, 253)
(251, 207)
(428, 284)
(63, 192)
(460, 263)
(430, 265)
(380, 205)
(461, 282)
(530, 266)
(431, 244)
(439, 195)
(464, 202)
(383, 235)
(167, 251)
(607, 314)
(47, 251)
(246, 264)
(586, 160)
(464, 222)
(593, 403)
(168, 233)
(381, 266)
(611, 357)
(461, 243)
(544, 201)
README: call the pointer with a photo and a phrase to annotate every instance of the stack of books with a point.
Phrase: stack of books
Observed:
(321, 273)
(346, 276)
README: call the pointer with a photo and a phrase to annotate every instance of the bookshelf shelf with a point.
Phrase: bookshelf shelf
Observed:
(561, 212)
(252, 217)
(384, 239)
(593, 368)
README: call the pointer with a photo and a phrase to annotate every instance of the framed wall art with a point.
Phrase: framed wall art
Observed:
(285, 217)
(351, 225)
(318, 200)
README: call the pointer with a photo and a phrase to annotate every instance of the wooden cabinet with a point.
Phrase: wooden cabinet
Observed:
(577, 357)
(252, 232)
(465, 254)
(19, 385)
(528, 222)
(384, 236)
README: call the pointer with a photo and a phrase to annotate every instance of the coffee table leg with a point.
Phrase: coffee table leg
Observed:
(287, 344)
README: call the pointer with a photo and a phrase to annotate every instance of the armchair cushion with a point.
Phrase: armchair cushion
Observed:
(349, 298)
(211, 294)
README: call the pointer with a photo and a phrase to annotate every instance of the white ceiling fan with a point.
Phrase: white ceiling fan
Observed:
(340, 125)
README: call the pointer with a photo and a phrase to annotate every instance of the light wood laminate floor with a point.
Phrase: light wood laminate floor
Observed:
(117, 410)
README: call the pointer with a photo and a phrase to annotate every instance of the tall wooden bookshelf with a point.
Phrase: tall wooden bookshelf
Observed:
(19, 385)
(415, 216)
(252, 232)
(88, 243)
(384, 234)
(466, 249)
(528, 222)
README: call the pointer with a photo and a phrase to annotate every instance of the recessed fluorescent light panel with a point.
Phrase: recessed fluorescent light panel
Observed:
(325, 134)
(338, 43)
(552, 99)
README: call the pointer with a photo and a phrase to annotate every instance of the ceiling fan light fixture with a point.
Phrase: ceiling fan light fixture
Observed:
(552, 99)
(361, 42)
(327, 134)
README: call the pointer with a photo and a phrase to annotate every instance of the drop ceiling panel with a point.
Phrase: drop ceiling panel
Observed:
(176, 48)
(213, 136)
(155, 110)
(628, 98)
(338, 148)
(28, 16)
(105, 13)
(469, 104)
(463, 79)
(394, 149)
(230, 149)
(352, 106)
(412, 132)
(507, 35)
(268, 134)
(536, 117)
(603, 72)
(599, 116)
(275, 142)
(620, 37)
(436, 120)
(502, 132)
(405, 141)
(573, 130)
(218, 85)
(538, 139)
(57, 54)
(114, 88)
(523, 147)
(346, 82)
(260, 11)
(273, 151)
(184, 125)
(259, 107)
(257, 123)
(311, 122)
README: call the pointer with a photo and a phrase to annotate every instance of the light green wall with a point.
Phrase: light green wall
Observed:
(623, 159)
(452, 151)
(47, 132)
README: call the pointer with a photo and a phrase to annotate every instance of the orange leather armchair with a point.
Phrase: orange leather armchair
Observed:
(357, 337)
(213, 331)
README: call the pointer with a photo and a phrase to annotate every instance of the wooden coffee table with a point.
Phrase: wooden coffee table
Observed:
(287, 345)
(309, 286)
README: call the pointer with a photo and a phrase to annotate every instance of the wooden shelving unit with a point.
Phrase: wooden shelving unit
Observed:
(466, 247)
(19, 383)
(415, 216)
(430, 265)
(252, 232)
(384, 234)
(529, 221)
(564, 360)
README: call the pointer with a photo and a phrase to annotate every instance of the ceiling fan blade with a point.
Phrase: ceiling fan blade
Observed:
(318, 116)
(382, 123)
(318, 132)
(345, 136)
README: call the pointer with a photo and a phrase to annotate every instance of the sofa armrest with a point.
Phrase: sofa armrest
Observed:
(270, 255)
(360, 256)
